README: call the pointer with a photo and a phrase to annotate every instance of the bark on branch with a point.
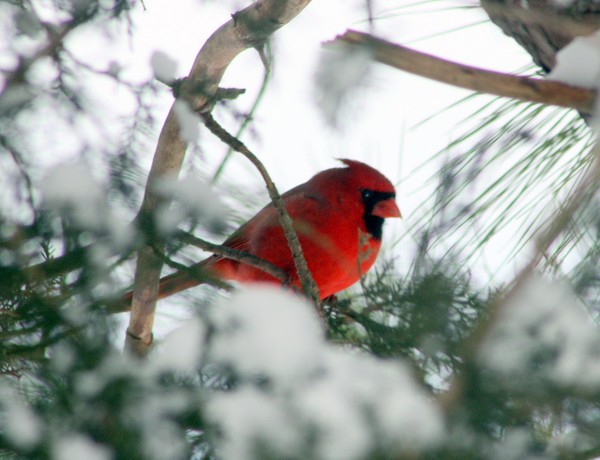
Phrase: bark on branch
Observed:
(548, 16)
(484, 81)
(248, 28)
(543, 27)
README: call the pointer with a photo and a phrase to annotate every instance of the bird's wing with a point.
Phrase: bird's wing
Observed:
(241, 239)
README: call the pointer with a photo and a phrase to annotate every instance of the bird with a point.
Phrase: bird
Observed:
(338, 216)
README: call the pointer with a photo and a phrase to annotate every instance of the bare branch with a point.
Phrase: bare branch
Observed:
(248, 116)
(247, 29)
(234, 254)
(309, 286)
(178, 281)
(483, 81)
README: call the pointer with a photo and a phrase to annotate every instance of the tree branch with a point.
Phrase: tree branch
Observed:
(248, 116)
(309, 286)
(248, 28)
(234, 254)
(198, 270)
(484, 81)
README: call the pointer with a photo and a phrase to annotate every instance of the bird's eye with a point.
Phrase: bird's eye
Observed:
(367, 193)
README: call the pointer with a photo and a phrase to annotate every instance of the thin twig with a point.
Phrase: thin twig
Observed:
(484, 81)
(176, 282)
(56, 36)
(247, 118)
(309, 286)
(234, 254)
(195, 270)
(21, 165)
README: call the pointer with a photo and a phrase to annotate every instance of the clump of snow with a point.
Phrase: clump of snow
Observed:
(19, 423)
(76, 313)
(164, 441)
(189, 122)
(328, 406)
(149, 406)
(515, 444)
(189, 197)
(563, 444)
(114, 365)
(340, 72)
(163, 66)
(293, 382)
(544, 334)
(358, 399)
(251, 420)
(71, 190)
(578, 63)
(62, 358)
(78, 447)
(181, 350)
(14, 97)
(264, 331)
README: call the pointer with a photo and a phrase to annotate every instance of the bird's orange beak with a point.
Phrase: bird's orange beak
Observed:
(386, 208)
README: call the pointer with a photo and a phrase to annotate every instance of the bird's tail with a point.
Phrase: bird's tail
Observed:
(174, 283)
(180, 281)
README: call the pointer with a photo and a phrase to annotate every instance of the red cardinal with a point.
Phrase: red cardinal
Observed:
(338, 216)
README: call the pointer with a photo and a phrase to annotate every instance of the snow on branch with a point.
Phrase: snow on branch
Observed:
(291, 381)
(483, 81)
